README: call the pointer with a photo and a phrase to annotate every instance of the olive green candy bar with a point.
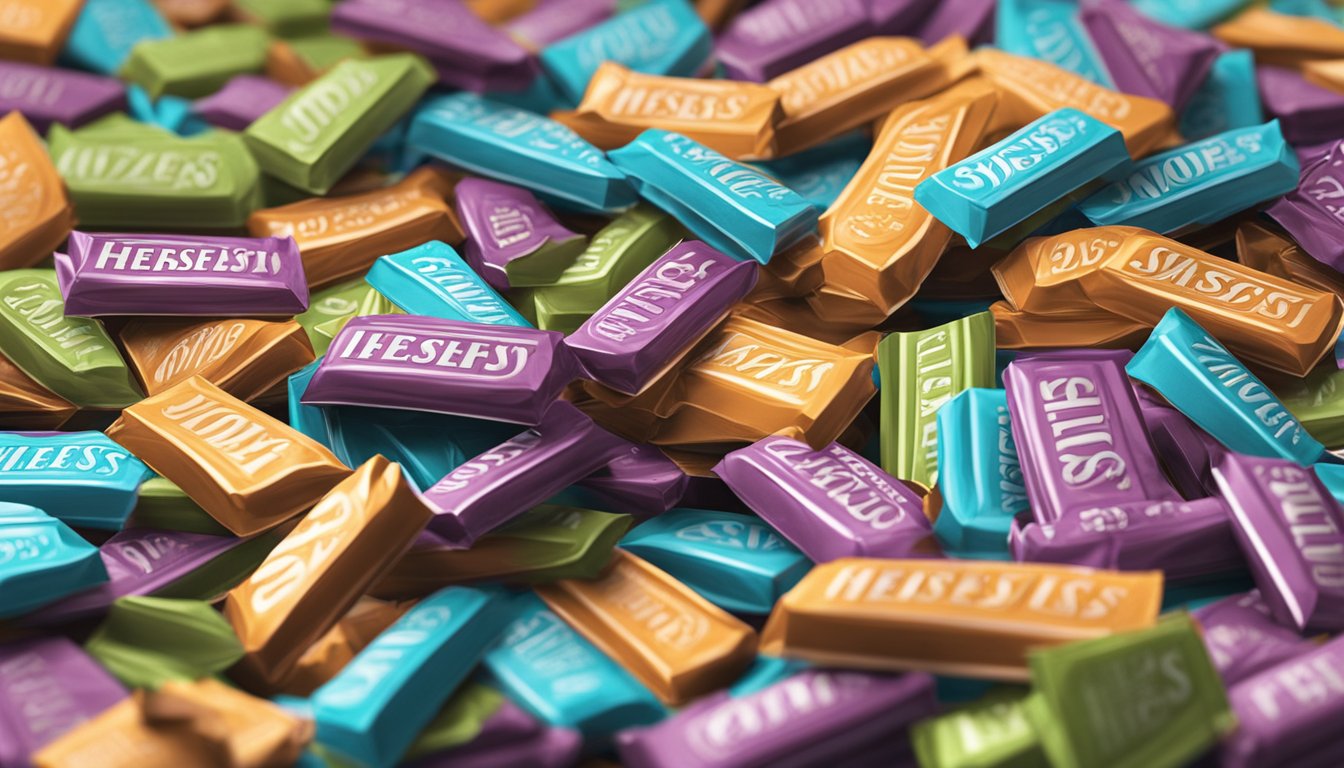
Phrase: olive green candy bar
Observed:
(994, 732)
(287, 17)
(196, 64)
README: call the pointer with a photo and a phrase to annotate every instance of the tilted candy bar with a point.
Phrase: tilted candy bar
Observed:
(512, 240)
(431, 279)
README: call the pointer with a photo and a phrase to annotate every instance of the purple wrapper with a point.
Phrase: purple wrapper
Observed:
(1148, 58)
(1185, 540)
(445, 366)
(504, 223)
(817, 717)
(510, 737)
(898, 17)
(105, 274)
(776, 36)
(554, 20)
(47, 687)
(1309, 212)
(1289, 714)
(519, 473)
(657, 317)
(1188, 452)
(240, 102)
(139, 561)
(1079, 433)
(643, 482)
(830, 503)
(1307, 113)
(971, 19)
(466, 52)
(47, 95)
(1244, 639)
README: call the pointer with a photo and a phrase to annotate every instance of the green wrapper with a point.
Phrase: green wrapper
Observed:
(460, 720)
(197, 64)
(317, 134)
(125, 178)
(920, 371)
(287, 17)
(331, 308)
(71, 356)
(614, 257)
(1317, 402)
(1146, 699)
(162, 504)
(992, 733)
(145, 641)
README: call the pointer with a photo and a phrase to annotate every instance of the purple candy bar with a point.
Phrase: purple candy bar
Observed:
(139, 561)
(1146, 57)
(240, 102)
(971, 19)
(1307, 113)
(1292, 531)
(509, 737)
(817, 717)
(898, 17)
(1185, 540)
(1188, 452)
(643, 482)
(657, 317)
(1309, 213)
(554, 20)
(48, 686)
(518, 474)
(830, 503)
(503, 223)
(47, 95)
(1289, 714)
(1079, 433)
(106, 274)
(1243, 638)
(444, 366)
(776, 36)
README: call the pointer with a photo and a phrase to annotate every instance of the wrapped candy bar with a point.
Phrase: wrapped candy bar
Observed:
(1281, 39)
(38, 213)
(244, 730)
(644, 480)
(246, 358)
(36, 29)
(1145, 57)
(72, 686)
(1308, 214)
(1307, 111)
(81, 478)
(512, 241)
(1285, 714)
(1053, 32)
(1228, 98)
(44, 560)
(45, 95)
(981, 480)
(992, 731)
(1243, 639)
(197, 63)
(106, 30)
(432, 280)
(775, 36)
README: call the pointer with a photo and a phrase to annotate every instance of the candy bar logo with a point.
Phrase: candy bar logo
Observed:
(847, 481)
(30, 88)
(470, 355)
(45, 314)
(1155, 685)
(1012, 488)
(1069, 256)
(1064, 89)
(481, 466)
(463, 288)
(722, 730)
(44, 457)
(1158, 177)
(1312, 683)
(319, 105)
(47, 706)
(1253, 394)
(993, 170)
(247, 446)
(641, 600)
(641, 306)
(648, 34)
(732, 535)
(1080, 429)
(737, 179)
(145, 552)
(158, 256)
(26, 548)
(854, 67)
(678, 104)
(740, 354)
(934, 376)
(552, 650)
(120, 165)
(1060, 41)
(370, 670)
(1313, 520)
(909, 151)
(199, 349)
(303, 553)
(1074, 597)
(1235, 289)
(510, 222)
(777, 22)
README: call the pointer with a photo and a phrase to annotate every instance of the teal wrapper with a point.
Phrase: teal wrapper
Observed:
(980, 479)
(432, 279)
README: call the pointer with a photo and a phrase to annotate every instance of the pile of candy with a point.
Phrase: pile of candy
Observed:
(671, 384)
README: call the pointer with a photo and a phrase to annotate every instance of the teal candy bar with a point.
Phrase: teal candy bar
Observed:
(1191, 14)
(83, 478)
(519, 147)
(1201, 379)
(432, 279)
(372, 711)
(1199, 183)
(554, 673)
(663, 37)
(1002, 185)
(106, 30)
(732, 207)
(307, 419)
(982, 484)
(739, 563)
(1229, 98)
(1051, 31)
(42, 560)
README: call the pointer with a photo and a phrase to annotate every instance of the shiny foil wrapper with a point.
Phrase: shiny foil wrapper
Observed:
(245, 358)
(38, 213)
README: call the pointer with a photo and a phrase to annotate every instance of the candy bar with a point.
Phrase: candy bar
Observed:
(241, 102)
(444, 366)
(286, 19)
(779, 35)
(246, 469)
(1228, 98)
(1243, 639)
(730, 206)
(1281, 39)
(147, 641)
(1306, 110)
(38, 212)
(1307, 213)
(551, 22)
(432, 280)
(981, 481)
(197, 63)
(81, 478)
(241, 729)
(1267, 249)
(45, 560)
(511, 239)
(992, 731)
(1292, 530)
(935, 615)
(675, 642)
(1285, 714)
(335, 649)
(119, 738)
(659, 315)
(35, 29)
(1187, 452)
(73, 689)
(45, 95)
(644, 481)
(1145, 57)
(1053, 32)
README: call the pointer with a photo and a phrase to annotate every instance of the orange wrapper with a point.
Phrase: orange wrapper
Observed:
(247, 470)
(119, 737)
(35, 30)
(1096, 330)
(240, 730)
(1041, 276)
(245, 358)
(674, 641)
(955, 617)
(1280, 39)
(344, 544)
(1268, 251)
(25, 404)
(35, 212)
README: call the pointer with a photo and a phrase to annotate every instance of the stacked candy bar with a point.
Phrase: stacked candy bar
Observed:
(671, 383)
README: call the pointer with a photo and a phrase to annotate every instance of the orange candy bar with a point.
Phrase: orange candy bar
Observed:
(1280, 39)
(245, 358)
(241, 730)
(35, 212)
(35, 30)
(25, 404)
(1097, 330)
(1041, 276)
